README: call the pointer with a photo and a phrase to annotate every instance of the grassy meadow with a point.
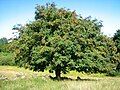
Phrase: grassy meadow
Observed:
(13, 78)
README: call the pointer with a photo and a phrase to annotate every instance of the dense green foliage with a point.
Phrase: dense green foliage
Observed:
(61, 41)
(116, 39)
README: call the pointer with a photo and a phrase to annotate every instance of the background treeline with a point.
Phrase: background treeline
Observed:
(6, 56)
(60, 40)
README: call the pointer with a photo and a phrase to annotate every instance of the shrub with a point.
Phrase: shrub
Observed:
(7, 59)
(113, 73)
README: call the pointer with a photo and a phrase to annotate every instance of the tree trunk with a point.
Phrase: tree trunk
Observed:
(58, 72)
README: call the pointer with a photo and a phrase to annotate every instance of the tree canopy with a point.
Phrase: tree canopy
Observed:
(60, 40)
(116, 39)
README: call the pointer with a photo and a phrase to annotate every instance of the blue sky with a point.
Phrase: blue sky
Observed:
(22, 11)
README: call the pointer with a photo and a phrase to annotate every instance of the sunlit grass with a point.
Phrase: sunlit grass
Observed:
(88, 82)
(42, 84)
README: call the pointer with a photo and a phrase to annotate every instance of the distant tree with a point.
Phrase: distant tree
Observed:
(60, 40)
(3, 41)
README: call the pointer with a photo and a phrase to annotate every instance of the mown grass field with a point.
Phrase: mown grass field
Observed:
(13, 78)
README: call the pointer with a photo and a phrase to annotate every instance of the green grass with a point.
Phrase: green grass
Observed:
(42, 82)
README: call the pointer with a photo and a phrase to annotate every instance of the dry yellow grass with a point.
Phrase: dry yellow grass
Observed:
(38, 81)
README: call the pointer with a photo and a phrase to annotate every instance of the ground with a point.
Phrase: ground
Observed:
(14, 78)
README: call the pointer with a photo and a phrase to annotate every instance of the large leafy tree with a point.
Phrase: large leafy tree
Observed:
(60, 41)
